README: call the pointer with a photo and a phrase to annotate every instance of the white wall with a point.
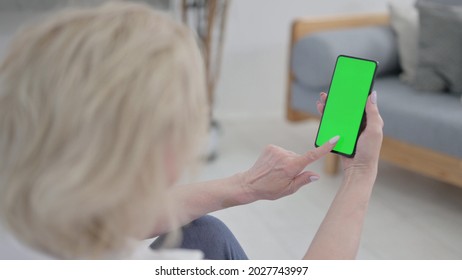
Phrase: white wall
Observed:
(261, 23)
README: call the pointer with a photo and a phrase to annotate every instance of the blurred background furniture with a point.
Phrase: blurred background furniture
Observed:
(208, 18)
(422, 129)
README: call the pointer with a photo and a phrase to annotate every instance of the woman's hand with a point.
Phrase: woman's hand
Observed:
(278, 172)
(339, 235)
(275, 174)
(369, 142)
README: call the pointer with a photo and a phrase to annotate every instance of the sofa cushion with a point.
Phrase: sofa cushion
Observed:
(440, 56)
(425, 119)
(404, 20)
(313, 57)
(428, 119)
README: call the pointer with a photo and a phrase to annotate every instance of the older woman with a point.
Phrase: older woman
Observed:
(101, 110)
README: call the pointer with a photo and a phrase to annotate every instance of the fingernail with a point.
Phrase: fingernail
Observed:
(374, 97)
(314, 178)
(334, 139)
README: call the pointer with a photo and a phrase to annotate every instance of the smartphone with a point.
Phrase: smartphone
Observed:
(344, 112)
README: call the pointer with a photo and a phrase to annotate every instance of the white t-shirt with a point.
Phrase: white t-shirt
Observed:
(12, 249)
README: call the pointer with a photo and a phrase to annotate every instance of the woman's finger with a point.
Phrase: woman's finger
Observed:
(321, 102)
(302, 179)
(323, 97)
(315, 154)
(373, 116)
(320, 107)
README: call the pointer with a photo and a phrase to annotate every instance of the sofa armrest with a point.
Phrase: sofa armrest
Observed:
(302, 27)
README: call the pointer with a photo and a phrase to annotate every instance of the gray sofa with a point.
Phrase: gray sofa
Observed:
(423, 130)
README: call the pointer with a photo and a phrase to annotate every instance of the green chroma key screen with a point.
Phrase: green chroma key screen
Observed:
(350, 87)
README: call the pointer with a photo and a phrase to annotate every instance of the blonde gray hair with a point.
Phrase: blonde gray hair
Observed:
(90, 99)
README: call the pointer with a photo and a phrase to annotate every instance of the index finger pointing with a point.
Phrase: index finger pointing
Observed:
(315, 154)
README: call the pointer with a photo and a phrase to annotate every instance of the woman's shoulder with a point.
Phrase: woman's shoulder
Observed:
(13, 249)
